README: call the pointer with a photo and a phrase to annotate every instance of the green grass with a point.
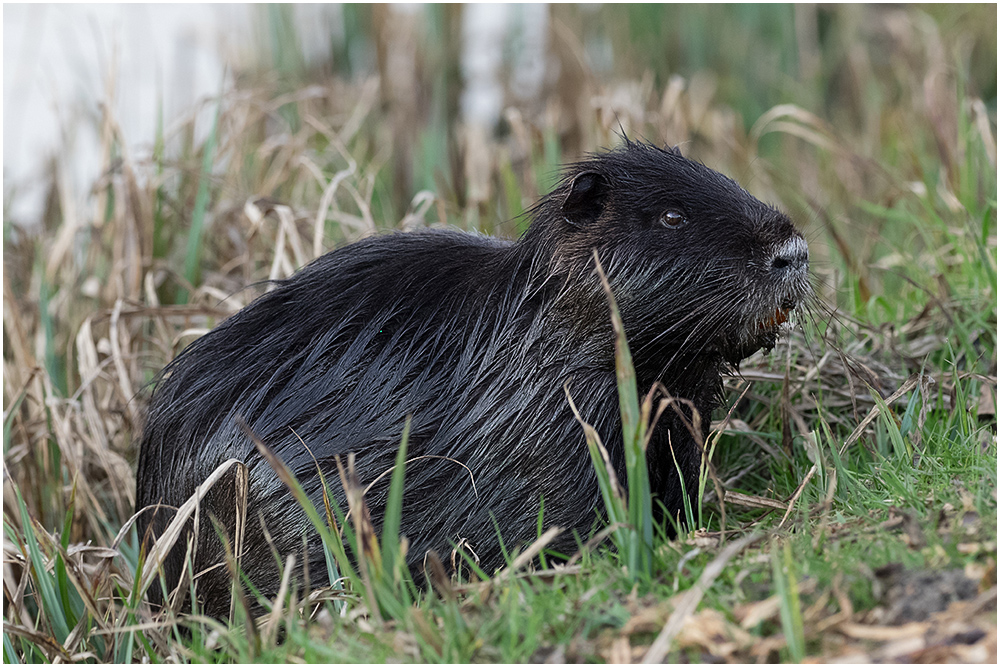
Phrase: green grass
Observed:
(193, 255)
(884, 163)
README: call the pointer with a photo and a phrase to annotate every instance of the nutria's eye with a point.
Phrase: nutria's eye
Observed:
(673, 218)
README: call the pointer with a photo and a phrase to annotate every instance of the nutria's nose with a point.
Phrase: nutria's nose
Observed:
(792, 256)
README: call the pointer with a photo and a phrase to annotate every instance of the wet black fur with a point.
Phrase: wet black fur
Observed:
(475, 337)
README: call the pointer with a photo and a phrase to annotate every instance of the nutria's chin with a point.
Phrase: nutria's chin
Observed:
(474, 340)
(762, 337)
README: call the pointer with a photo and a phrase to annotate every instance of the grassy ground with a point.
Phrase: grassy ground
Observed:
(852, 510)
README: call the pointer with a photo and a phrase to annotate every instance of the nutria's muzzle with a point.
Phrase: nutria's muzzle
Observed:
(791, 258)
(788, 286)
(789, 267)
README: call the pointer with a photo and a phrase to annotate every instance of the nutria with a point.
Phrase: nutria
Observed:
(474, 339)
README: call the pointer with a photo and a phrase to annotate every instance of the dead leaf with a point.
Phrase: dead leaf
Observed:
(712, 633)
(620, 652)
(883, 633)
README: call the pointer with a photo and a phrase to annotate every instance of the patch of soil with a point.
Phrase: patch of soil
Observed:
(914, 595)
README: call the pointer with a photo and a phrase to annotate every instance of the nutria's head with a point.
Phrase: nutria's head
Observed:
(700, 268)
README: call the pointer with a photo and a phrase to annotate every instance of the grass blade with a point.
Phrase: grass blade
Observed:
(394, 510)
(787, 589)
(51, 602)
(640, 500)
(193, 254)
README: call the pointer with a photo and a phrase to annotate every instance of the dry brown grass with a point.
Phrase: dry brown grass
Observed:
(91, 307)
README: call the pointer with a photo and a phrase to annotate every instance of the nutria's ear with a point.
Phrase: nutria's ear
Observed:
(676, 150)
(584, 202)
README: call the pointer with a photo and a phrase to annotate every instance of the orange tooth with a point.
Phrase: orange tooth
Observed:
(780, 317)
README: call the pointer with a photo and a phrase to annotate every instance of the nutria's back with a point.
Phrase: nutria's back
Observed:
(475, 338)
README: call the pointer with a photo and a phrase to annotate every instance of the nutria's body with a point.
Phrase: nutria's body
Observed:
(475, 338)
